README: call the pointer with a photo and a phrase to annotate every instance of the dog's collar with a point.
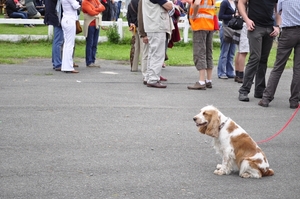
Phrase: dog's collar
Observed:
(223, 123)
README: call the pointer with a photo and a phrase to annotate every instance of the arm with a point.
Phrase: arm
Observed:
(90, 9)
(141, 28)
(276, 29)
(222, 16)
(242, 10)
(168, 5)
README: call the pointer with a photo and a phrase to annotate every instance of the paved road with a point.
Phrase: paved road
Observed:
(103, 134)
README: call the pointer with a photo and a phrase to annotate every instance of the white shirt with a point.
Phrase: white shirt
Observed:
(70, 8)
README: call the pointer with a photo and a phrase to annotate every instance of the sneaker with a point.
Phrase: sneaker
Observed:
(263, 103)
(223, 77)
(243, 97)
(197, 86)
(208, 84)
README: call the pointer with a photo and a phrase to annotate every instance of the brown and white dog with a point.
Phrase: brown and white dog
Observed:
(237, 148)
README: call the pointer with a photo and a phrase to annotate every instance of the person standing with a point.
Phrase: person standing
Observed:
(145, 48)
(91, 30)
(52, 17)
(69, 29)
(261, 33)
(157, 21)
(225, 64)
(240, 57)
(132, 18)
(201, 16)
(288, 40)
(242, 51)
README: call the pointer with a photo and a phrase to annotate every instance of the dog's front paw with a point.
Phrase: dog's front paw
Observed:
(245, 175)
(219, 172)
(219, 166)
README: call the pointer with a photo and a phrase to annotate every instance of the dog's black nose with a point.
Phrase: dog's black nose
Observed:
(195, 119)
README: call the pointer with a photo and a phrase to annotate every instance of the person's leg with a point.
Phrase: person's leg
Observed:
(89, 46)
(145, 52)
(284, 49)
(200, 58)
(57, 44)
(229, 65)
(19, 14)
(69, 30)
(260, 78)
(295, 85)
(95, 44)
(255, 41)
(156, 56)
(223, 57)
(119, 9)
(209, 56)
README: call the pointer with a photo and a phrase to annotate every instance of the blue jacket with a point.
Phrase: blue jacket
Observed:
(226, 12)
(51, 17)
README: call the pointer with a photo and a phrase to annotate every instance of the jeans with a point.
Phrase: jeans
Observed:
(225, 64)
(91, 45)
(57, 44)
(260, 43)
(118, 6)
(19, 14)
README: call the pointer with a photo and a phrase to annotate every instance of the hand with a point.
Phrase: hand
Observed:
(275, 32)
(250, 25)
(145, 40)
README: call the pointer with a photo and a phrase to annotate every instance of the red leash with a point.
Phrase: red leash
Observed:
(280, 131)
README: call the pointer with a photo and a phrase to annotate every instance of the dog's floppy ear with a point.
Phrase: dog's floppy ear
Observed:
(213, 125)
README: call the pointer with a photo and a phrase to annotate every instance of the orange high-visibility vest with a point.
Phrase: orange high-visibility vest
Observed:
(204, 20)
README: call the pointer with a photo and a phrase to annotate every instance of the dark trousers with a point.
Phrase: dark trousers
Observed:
(91, 45)
(289, 39)
(260, 43)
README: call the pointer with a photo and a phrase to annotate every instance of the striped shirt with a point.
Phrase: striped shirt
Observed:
(290, 14)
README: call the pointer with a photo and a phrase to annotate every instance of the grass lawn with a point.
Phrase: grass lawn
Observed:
(179, 55)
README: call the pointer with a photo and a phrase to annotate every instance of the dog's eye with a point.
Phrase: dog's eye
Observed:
(204, 113)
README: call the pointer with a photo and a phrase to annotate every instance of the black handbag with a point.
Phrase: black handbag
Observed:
(236, 23)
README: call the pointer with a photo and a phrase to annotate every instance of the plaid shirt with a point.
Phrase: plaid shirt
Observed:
(290, 14)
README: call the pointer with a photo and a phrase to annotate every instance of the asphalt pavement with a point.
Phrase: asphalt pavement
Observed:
(103, 134)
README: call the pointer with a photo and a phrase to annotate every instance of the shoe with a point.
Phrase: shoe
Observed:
(263, 103)
(73, 71)
(208, 84)
(75, 65)
(223, 77)
(163, 79)
(294, 106)
(256, 95)
(243, 97)
(58, 69)
(93, 65)
(197, 86)
(156, 85)
(164, 65)
(238, 79)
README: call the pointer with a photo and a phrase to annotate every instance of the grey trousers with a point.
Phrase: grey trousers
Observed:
(288, 40)
(156, 55)
(260, 43)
